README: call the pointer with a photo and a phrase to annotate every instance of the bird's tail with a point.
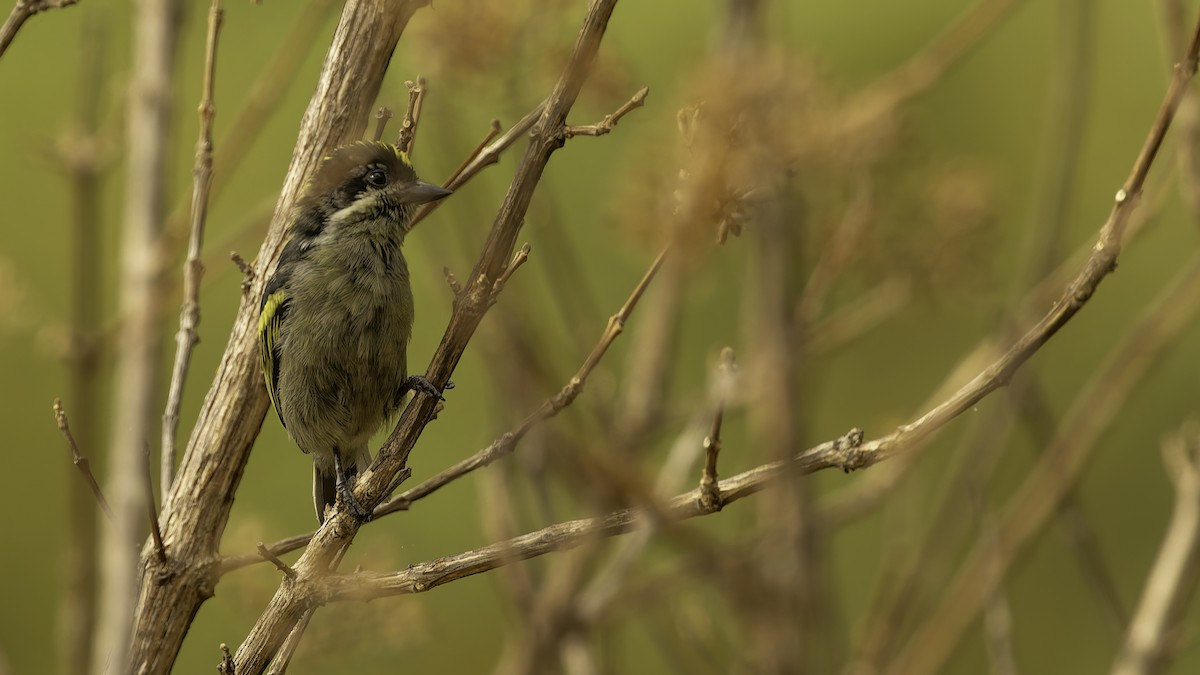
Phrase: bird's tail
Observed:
(325, 478)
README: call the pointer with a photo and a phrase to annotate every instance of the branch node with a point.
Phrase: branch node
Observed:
(853, 455)
(452, 280)
(227, 666)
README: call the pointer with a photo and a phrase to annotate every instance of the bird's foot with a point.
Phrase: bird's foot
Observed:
(345, 490)
(418, 383)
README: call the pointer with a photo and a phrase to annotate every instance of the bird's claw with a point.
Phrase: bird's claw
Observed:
(418, 383)
(346, 492)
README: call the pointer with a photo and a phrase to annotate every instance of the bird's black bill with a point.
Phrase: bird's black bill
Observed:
(421, 192)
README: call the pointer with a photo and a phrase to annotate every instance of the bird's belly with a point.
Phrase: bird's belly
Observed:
(337, 391)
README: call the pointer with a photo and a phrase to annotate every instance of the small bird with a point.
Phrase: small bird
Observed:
(337, 315)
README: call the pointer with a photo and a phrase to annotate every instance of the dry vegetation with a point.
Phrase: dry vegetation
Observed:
(812, 189)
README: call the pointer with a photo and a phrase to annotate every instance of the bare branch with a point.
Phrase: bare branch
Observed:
(160, 551)
(381, 119)
(610, 121)
(424, 576)
(20, 14)
(412, 116)
(80, 462)
(274, 560)
(712, 442)
(1030, 507)
(1098, 266)
(482, 157)
(193, 269)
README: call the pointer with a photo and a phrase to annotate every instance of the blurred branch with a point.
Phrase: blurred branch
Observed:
(482, 157)
(264, 96)
(20, 14)
(1035, 412)
(412, 116)
(924, 68)
(1099, 265)
(138, 348)
(1028, 510)
(1173, 28)
(381, 119)
(193, 269)
(81, 153)
(1172, 580)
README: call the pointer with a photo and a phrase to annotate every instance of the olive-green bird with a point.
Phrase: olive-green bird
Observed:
(336, 316)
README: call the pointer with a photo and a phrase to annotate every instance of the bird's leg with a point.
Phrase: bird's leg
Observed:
(345, 489)
(418, 383)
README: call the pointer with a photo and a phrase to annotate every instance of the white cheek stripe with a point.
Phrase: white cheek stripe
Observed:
(341, 216)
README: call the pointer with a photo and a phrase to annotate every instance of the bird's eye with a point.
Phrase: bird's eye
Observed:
(377, 178)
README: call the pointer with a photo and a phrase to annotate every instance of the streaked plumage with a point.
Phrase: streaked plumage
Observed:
(337, 314)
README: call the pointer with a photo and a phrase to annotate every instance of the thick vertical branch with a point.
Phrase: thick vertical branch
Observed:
(156, 27)
(197, 507)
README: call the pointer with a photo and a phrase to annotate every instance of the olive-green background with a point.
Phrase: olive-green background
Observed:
(989, 113)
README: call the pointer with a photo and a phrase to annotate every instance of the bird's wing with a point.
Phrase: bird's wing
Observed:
(272, 314)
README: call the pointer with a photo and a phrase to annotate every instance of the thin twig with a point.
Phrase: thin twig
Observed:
(493, 131)
(21, 13)
(519, 259)
(482, 157)
(610, 121)
(1035, 501)
(244, 128)
(424, 576)
(407, 137)
(245, 268)
(160, 551)
(1097, 267)
(193, 269)
(80, 462)
(274, 560)
(381, 119)
(712, 442)
(941, 53)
